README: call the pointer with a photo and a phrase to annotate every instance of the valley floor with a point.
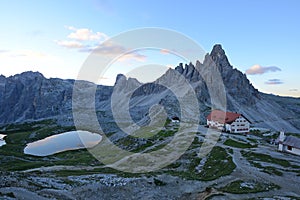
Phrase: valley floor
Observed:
(238, 167)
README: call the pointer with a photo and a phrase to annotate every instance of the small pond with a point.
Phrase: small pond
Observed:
(2, 141)
(63, 142)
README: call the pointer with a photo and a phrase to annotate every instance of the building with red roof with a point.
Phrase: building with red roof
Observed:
(228, 121)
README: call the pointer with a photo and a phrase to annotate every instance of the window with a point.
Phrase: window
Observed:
(290, 148)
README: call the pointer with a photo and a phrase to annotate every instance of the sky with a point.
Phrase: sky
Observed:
(260, 37)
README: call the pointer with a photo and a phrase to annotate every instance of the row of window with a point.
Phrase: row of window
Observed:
(239, 125)
(241, 129)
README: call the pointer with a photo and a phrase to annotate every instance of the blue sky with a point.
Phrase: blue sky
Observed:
(47, 36)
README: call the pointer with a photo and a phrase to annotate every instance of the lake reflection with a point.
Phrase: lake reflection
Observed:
(2, 141)
(63, 142)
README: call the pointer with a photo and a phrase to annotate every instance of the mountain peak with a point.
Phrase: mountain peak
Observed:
(29, 75)
(219, 57)
(217, 50)
(126, 84)
(120, 77)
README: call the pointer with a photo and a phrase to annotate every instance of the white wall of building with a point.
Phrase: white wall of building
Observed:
(240, 125)
(215, 124)
(280, 147)
(228, 127)
(293, 151)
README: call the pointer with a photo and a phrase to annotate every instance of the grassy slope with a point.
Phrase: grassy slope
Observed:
(242, 145)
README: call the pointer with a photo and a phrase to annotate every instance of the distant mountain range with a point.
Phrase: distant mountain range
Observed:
(30, 96)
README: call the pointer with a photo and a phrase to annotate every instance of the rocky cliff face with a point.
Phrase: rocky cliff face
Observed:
(30, 96)
(236, 83)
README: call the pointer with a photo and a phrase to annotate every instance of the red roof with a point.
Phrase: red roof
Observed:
(222, 117)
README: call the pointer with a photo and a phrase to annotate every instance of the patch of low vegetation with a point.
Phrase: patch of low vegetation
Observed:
(16, 164)
(272, 170)
(219, 163)
(266, 169)
(255, 131)
(236, 144)
(266, 135)
(136, 145)
(158, 182)
(69, 158)
(76, 157)
(241, 187)
(155, 148)
(255, 159)
(174, 165)
(252, 140)
(98, 170)
(196, 143)
(213, 196)
(251, 156)
(230, 150)
(294, 134)
(28, 126)
(9, 194)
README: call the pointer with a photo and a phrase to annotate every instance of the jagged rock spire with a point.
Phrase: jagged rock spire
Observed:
(180, 68)
(219, 57)
(120, 77)
(217, 51)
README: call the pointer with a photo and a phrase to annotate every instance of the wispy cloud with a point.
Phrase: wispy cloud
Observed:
(70, 44)
(133, 56)
(82, 38)
(293, 90)
(274, 82)
(257, 69)
(87, 41)
(84, 34)
(113, 49)
(164, 51)
(107, 48)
